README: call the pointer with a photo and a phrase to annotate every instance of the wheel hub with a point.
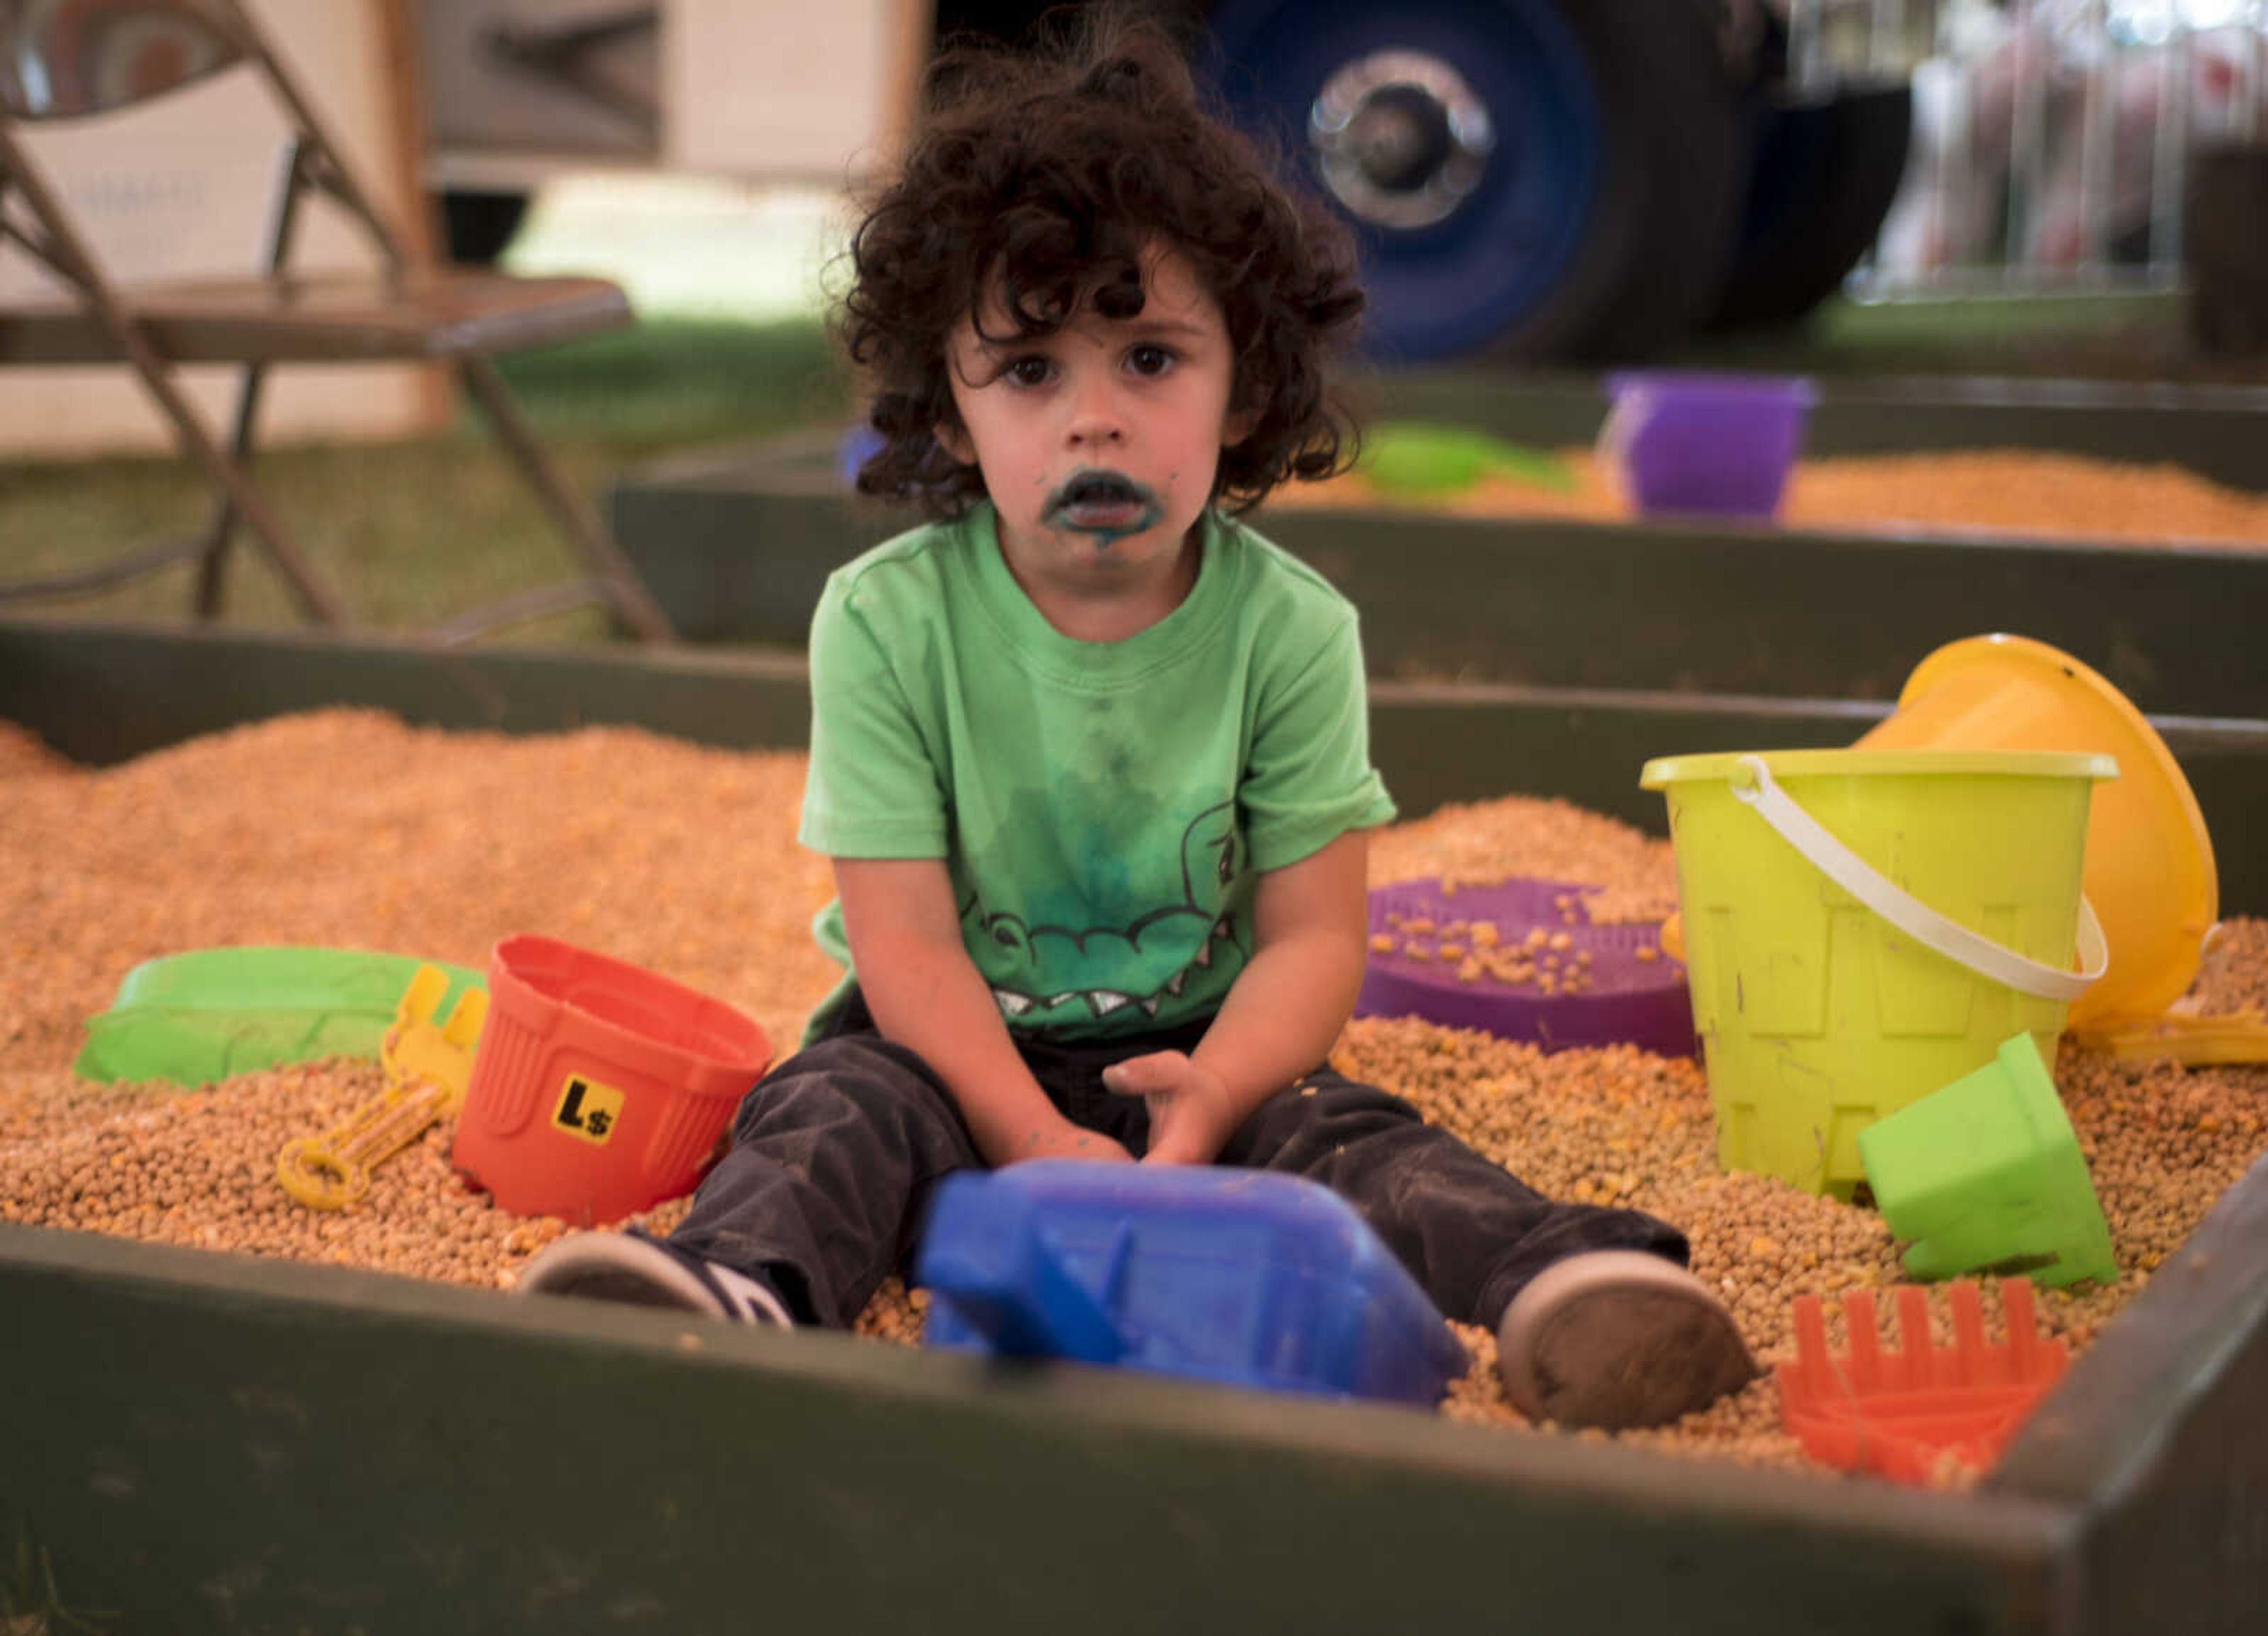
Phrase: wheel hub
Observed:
(1400, 139)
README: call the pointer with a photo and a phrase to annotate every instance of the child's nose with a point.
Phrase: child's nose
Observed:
(1097, 419)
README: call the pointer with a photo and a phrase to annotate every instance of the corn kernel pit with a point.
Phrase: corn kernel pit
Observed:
(348, 828)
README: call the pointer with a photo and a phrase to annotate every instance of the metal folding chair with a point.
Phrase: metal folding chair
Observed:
(81, 59)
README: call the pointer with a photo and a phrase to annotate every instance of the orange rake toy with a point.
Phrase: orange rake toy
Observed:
(1904, 1414)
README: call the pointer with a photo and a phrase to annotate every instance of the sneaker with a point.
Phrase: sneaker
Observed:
(645, 1271)
(1618, 1338)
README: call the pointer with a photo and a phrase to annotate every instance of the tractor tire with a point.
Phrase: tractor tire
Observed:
(478, 225)
(1595, 218)
(1822, 179)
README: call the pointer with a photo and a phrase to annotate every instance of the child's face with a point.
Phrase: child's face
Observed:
(1098, 444)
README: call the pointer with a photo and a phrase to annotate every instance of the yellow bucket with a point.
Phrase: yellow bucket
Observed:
(2149, 869)
(1864, 927)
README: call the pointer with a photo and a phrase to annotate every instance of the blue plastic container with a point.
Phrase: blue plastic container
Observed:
(1234, 1275)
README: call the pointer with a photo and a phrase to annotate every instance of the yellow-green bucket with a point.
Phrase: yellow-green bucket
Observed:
(1864, 927)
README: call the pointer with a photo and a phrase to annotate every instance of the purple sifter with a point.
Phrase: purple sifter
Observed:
(1628, 1000)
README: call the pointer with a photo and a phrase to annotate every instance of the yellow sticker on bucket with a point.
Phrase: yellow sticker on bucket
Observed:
(588, 1109)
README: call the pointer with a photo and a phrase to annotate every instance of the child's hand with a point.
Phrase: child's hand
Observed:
(1062, 1139)
(1190, 1113)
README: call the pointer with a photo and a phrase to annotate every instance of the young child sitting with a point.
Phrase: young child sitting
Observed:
(1091, 761)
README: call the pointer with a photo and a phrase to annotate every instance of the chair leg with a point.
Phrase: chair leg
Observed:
(220, 532)
(538, 602)
(211, 588)
(62, 250)
(208, 548)
(613, 573)
(315, 597)
(136, 565)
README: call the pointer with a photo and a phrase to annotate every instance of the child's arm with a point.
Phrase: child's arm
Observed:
(1281, 1015)
(927, 995)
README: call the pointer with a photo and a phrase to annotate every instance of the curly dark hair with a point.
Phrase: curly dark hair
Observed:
(1041, 176)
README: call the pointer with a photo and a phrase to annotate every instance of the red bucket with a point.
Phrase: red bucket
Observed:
(598, 1088)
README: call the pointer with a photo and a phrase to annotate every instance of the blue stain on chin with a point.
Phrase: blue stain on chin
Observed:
(1071, 509)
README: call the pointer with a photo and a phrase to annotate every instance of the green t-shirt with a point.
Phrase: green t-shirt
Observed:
(1103, 808)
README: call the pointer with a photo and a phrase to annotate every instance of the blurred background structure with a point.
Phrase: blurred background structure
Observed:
(2054, 144)
(1543, 180)
(1876, 188)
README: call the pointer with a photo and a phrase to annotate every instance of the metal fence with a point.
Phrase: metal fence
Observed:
(2051, 138)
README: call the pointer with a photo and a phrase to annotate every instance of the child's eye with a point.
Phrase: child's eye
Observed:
(1031, 370)
(1149, 359)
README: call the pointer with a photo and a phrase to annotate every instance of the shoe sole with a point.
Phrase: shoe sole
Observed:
(626, 1271)
(1579, 1366)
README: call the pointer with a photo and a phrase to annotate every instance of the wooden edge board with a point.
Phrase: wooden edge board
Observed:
(337, 1447)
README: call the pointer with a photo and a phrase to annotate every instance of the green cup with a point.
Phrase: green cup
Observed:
(1986, 1173)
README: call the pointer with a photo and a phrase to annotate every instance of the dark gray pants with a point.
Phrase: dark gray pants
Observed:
(835, 1153)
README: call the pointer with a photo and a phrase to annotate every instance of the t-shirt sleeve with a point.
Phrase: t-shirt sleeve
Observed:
(1309, 780)
(873, 789)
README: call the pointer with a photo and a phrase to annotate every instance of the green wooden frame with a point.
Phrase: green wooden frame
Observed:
(736, 544)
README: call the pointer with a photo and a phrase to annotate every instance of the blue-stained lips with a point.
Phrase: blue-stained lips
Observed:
(1105, 502)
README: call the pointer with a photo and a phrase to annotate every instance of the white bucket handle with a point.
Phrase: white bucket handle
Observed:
(1753, 784)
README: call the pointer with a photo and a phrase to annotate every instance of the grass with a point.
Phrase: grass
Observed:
(412, 531)
(2113, 335)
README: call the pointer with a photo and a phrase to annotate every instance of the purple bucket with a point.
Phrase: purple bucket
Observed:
(1715, 444)
(1633, 1000)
